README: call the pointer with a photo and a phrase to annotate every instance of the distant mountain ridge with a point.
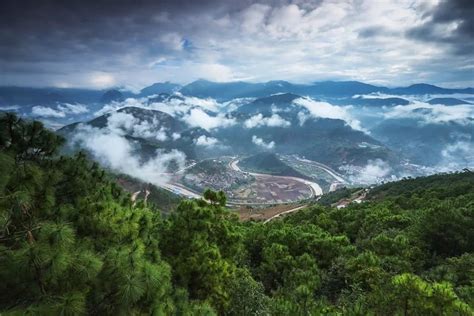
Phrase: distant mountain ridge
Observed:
(160, 87)
(240, 89)
(112, 95)
(45, 96)
(218, 90)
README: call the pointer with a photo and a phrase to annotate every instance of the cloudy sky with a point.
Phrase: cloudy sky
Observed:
(104, 43)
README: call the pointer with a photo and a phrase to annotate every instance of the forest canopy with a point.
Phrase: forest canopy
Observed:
(72, 242)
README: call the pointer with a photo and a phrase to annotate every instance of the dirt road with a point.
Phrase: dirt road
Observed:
(285, 212)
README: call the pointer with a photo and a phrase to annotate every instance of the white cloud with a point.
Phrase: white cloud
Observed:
(198, 118)
(285, 21)
(102, 80)
(303, 117)
(207, 104)
(176, 136)
(45, 111)
(429, 113)
(115, 106)
(273, 121)
(333, 29)
(206, 141)
(60, 111)
(253, 18)
(9, 107)
(121, 123)
(457, 155)
(234, 104)
(260, 142)
(116, 152)
(413, 97)
(215, 72)
(326, 110)
(375, 171)
(175, 106)
(161, 134)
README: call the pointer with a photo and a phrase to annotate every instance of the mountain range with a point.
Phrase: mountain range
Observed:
(218, 90)
(344, 125)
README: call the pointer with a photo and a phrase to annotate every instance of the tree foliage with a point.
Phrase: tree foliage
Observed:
(73, 243)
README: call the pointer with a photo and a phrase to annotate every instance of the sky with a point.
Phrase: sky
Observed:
(117, 43)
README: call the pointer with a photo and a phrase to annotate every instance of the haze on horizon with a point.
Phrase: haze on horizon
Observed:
(101, 44)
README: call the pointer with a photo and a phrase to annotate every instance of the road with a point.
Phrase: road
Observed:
(180, 190)
(315, 188)
(325, 168)
(186, 168)
(285, 212)
(183, 191)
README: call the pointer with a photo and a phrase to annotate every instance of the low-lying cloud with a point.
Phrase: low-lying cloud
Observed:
(321, 109)
(375, 171)
(70, 108)
(457, 155)
(176, 105)
(121, 123)
(433, 114)
(194, 111)
(206, 141)
(272, 121)
(60, 111)
(44, 111)
(117, 153)
(260, 142)
(198, 118)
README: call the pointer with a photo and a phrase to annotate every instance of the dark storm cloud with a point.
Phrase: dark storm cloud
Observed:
(116, 42)
(100, 32)
(455, 15)
(48, 30)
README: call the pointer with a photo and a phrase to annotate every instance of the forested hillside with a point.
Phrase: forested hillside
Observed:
(73, 243)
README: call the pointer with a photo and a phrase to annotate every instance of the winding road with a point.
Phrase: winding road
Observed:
(315, 188)
(180, 190)
(333, 173)
(183, 191)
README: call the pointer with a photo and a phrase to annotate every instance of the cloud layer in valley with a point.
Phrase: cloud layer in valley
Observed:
(115, 151)
(375, 171)
(320, 109)
(260, 142)
(59, 111)
(274, 120)
(433, 114)
(125, 123)
(199, 118)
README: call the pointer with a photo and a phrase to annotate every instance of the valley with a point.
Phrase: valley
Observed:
(262, 144)
(246, 187)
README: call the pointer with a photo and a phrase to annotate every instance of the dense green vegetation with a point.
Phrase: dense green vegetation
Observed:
(73, 243)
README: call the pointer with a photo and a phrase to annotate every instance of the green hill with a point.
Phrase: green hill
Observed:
(73, 243)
